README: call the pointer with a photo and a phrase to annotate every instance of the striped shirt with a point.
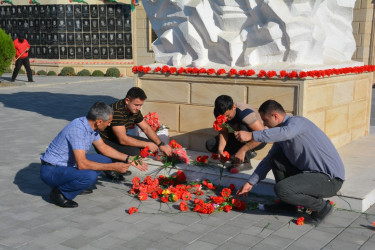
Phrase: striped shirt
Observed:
(121, 117)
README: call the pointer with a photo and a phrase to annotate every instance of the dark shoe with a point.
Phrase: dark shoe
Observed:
(58, 198)
(113, 175)
(280, 207)
(31, 81)
(12, 80)
(87, 191)
(318, 217)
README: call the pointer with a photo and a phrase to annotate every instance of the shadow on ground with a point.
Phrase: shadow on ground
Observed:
(59, 106)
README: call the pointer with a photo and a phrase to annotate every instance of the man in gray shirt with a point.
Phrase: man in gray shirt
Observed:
(305, 163)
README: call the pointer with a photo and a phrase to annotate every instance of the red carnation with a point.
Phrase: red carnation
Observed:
(172, 70)
(242, 72)
(181, 70)
(232, 72)
(157, 69)
(227, 208)
(293, 74)
(165, 69)
(300, 221)
(135, 69)
(211, 71)
(271, 73)
(215, 156)
(283, 73)
(221, 71)
(226, 156)
(145, 152)
(195, 70)
(132, 210)
(202, 71)
(188, 70)
(302, 74)
(226, 192)
(183, 206)
(250, 72)
(232, 187)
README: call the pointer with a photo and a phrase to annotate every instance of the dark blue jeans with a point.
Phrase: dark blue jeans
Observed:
(70, 180)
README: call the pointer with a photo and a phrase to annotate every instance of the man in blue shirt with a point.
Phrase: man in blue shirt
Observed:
(65, 165)
(305, 163)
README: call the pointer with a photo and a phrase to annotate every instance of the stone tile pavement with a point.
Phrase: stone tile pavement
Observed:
(30, 117)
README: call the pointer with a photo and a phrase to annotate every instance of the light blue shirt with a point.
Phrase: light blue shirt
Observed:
(305, 146)
(78, 134)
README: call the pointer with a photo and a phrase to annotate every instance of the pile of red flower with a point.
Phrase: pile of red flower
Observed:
(175, 188)
(152, 119)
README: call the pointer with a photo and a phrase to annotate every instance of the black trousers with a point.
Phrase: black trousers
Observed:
(305, 189)
(233, 145)
(26, 63)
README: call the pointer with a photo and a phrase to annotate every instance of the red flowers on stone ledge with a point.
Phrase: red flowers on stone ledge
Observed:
(261, 74)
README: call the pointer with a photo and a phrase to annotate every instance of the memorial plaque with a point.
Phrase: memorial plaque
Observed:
(70, 38)
(55, 39)
(42, 11)
(63, 52)
(44, 52)
(9, 26)
(47, 11)
(32, 52)
(110, 10)
(31, 39)
(77, 25)
(35, 12)
(49, 24)
(49, 39)
(86, 39)
(85, 11)
(118, 11)
(128, 52)
(38, 52)
(36, 25)
(20, 24)
(8, 12)
(128, 39)
(54, 24)
(62, 38)
(3, 23)
(37, 38)
(95, 53)
(95, 38)
(94, 25)
(119, 39)
(69, 11)
(127, 10)
(43, 38)
(30, 12)
(25, 12)
(112, 53)
(71, 53)
(86, 25)
(26, 25)
(61, 11)
(14, 25)
(78, 38)
(79, 53)
(102, 11)
(127, 24)
(31, 25)
(2, 12)
(87, 52)
(103, 24)
(19, 11)
(103, 39)
(111, 38)
(50, 52)
(111, 24)
(77, 11)
(94, 11)
(43, 25)
(61, 26)
(53, 11)
(119, 25)
(70, 24)
(55, 51)
(103, 53)
(120, 53)
(13, 10)
(27, 37)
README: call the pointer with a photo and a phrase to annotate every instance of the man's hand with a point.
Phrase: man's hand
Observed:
(244, 189)
(142, 166)
(239, 157)
(121, 167)
(166, 149)
(153, 147)
(243, 136)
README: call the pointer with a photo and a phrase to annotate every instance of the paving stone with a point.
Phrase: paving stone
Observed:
(277, 241)
(16, 240)
(185, 219)
(246, 240)
(200, 228)
(232, 246)
(215, 238)
(340, 244)
(200, 245)
(264, 246)
(171, 227)
(258, 231)
(228, 230)
(106, 243)
(77, 242)
(168, 244)
(315, 239)
(155, 235)
(185, 236)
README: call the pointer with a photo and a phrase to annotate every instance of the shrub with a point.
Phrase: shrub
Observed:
(97, 73)
(84, 72)
(42, 72)
(21, 71)
(67, 71)
(8, 70)
(51, 73)
(113, 72)
(7, 51)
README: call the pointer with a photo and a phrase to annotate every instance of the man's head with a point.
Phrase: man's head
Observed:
(101, 114)
(224, 106)
(134, 99)
(20, 37)
(272, 113)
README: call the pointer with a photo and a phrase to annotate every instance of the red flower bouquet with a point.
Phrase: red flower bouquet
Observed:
(220, 122)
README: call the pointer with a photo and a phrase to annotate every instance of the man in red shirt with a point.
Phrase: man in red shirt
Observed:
(22, 53)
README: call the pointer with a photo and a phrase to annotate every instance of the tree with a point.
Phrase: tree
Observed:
(7, 51)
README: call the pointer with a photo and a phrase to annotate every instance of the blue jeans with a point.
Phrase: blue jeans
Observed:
(70, 180)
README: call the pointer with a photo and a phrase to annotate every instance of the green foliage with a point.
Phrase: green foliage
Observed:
(51, 73)
(113, 72)
(21, 71)
(97, 73)
(42, 72)
(67, 71)
(84, 72)
(7, 51)
(8, 70)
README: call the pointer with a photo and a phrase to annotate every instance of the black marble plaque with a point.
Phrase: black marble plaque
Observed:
(8, 12)
(85, 11)
(43, 38)
(126, 10)
(20, 24)
(95, 53)
(128, 52)
(2, 12)
(42, 11)
(94, 25)
(38, 52)
(31, 39)
(62, 38)
(55, 39)
(49, 39)
(35, 12)
(69, 11)
(79, 53)
(110, 10)
(50, 52)
(118, 11)
(71, 53)
(27, 36)
(31, 25)
(49, 24)
(119, 25)
(36, 25)
(14, 24)
(77, 11)
(94, 11)
(32, 52)
(78, 38)
(55, 51)
(111, 24)
(44, 52)
(30, 12)
(127, 24)
(54, 24)
(119, 38)
(54, 11)
(103, 39)
(102, 11)
(120, 53)
(77, 25)
(86, 25)
(87, 52)
(128, 38)
(103, 24)
(63, 52)
(25, 12)
(47, 11)
(19, 11)
(95, 38)
(61, 25)
(37, 39)
(61, 11)
(112, 52)
(111, 38)
(13, 10)
(103, 53)
(26, 25)
(70, 24)
(86, 39)
(70, 38)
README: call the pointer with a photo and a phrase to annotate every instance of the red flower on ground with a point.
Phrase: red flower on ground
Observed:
(142, 196)
(174, 144)
(202, 71)
(186, 196)
(145, 152)
(133, 210)
(188, 70)
(302, 74)
(181, 70)
(164, 199)
(242, 72)
(136, 180)
(227, 208)
(293, 74)
(226, 156)
(373, 223)
(226, 192)
(154, 195)
(232, 187)
(300, 221)
(283, 73)
(172, 70)
(271, 73)
(215, 156)
(195, 70)
(183, 206)
(165, 69)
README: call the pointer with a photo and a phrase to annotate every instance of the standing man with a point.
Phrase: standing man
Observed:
(67, 168)
(22, 53)
(305, 163)
(240, 116)
(126, 114)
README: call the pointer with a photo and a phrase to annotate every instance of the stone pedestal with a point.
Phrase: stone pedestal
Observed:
(339, 105)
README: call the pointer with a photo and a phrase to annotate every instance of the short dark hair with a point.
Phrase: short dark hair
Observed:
(136, 92)
(223, 103)
(99, 110)
(269, 106)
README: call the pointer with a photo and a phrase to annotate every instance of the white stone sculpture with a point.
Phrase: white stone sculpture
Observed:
(243, 33)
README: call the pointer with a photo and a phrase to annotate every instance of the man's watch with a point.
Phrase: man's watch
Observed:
(161, 144)
(127, 159)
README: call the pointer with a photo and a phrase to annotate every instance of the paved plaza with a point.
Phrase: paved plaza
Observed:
(31, 115)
